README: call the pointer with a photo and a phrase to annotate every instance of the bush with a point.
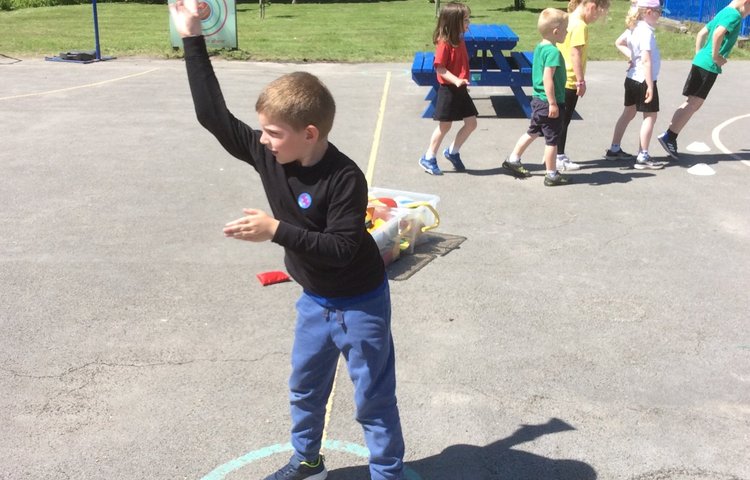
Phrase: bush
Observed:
(18, 4)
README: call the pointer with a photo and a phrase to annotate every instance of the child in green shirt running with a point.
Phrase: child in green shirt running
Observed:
(548, 100)
(712, 47)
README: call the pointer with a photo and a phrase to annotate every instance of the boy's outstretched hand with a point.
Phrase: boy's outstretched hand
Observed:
(185, 18)
(255, 226)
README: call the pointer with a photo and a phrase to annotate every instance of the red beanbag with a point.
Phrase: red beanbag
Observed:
(269, 278)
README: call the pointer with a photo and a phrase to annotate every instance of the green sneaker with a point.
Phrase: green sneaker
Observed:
(516, 169)
(556, 179)
(295, 470)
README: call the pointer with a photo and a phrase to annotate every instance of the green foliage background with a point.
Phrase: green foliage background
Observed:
(364, 31)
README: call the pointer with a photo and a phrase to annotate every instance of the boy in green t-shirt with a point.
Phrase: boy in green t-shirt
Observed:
(548, 100)
(712, 47)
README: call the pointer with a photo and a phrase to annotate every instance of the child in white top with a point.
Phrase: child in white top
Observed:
(641, 92)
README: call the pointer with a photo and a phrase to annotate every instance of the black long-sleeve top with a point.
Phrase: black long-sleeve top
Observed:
(321, 208)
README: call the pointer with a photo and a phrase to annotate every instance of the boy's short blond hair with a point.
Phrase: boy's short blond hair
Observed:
(550, 19)
(298, 99)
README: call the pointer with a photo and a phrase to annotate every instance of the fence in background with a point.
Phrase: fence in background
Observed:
(700, 11)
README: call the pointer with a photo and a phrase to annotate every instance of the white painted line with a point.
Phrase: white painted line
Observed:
(720, 146)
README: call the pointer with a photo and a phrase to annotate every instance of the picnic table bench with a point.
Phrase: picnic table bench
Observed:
(492, 62)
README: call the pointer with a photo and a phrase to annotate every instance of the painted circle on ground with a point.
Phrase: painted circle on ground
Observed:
(221, 471)
(213, 14)
(717, 141)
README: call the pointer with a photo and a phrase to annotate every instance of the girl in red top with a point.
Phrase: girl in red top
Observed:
(453, 100)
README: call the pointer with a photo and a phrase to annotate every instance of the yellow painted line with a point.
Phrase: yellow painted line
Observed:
(717, 142)
(378, 129)
(88, 85)
(329, 405)
(368, 176)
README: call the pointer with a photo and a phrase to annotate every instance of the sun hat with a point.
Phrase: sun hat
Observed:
(650, 4)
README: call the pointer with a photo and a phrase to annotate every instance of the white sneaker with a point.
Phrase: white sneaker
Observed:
(645, 162)
(564, 164)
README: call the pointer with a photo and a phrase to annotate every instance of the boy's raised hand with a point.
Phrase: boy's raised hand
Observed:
(185, 18)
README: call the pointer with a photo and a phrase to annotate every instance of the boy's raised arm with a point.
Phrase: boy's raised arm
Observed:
(234, 135)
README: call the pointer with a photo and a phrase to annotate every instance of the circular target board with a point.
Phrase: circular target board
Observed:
(213, 15)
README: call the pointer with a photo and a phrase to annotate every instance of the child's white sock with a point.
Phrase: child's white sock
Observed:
(514, 158)
(615, 147)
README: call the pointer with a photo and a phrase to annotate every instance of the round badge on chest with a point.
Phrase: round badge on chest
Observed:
(304, 200)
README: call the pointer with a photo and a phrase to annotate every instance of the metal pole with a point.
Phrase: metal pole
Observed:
(96, 31)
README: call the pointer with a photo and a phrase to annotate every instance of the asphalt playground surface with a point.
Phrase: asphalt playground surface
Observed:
(593, 331)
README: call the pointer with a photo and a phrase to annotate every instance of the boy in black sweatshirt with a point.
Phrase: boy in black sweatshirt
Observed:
(318, 198)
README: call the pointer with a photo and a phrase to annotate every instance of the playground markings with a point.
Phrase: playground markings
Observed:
(88, 85)
(222, 471)
(329, 405)
(378, 130)
(717, 141)
(368, 177)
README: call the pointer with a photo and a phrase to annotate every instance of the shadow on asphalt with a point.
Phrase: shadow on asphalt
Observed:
(617, 171)
(497, 461)
(506, 106)
(687, 160)
(431, 245)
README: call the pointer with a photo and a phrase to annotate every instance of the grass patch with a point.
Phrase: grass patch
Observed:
(385, 31)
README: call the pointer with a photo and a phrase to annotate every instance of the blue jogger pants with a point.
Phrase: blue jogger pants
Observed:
(361, 332)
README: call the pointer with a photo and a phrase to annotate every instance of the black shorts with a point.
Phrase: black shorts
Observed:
(635, 94)
(453, 104)
(699, 82)
(541, 124)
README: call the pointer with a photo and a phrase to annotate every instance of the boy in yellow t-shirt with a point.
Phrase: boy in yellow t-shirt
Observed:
(575, 52)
